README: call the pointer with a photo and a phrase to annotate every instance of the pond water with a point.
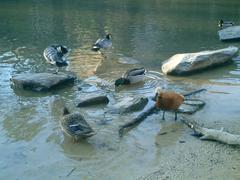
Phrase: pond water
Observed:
(145, 33)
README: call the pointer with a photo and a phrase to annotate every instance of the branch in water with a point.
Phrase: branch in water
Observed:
(213, 134)
(148, 110)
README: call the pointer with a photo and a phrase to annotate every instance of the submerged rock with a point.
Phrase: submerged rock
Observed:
(130, 104)
(191, 106)
(230, 33)
(92, 99)
(41, 81)
(181, 64)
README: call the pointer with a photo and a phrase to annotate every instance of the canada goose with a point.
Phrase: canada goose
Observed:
(168, 101)
(103, 43)
(224, 24)
(55, 55)
(131, 76)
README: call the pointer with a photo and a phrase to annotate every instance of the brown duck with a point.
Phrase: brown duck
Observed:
(168, 101)
(75, 125)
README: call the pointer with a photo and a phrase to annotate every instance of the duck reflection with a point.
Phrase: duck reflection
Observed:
(85, 62)
(77, 151)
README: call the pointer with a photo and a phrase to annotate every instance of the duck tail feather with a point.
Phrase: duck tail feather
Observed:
(95, 48)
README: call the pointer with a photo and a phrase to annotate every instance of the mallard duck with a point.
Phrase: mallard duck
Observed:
(132, 76)
(103, 43)
(75, 125)
(224, 24)
(168, 101)
(55, 55)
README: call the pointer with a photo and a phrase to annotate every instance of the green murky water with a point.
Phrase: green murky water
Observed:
(145, 33)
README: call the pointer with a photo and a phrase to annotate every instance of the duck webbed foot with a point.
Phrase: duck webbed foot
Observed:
(57, 70)
(175, 116)
(163, 116)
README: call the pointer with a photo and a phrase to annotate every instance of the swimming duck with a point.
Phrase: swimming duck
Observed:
(224, 24)
(168, 101)
(55, 55)
(103, 43)
(75, 125)
(132, 76)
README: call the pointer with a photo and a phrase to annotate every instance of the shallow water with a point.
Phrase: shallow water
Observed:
(145, 33)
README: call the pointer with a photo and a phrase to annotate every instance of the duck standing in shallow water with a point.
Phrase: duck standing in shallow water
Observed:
(168, 101)
(103, 43)
(75, 125)
(55, 55)
(224, 24)
(132, 76)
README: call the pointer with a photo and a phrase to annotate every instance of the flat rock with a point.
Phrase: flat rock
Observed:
(130, 104)
(229, 33)
(92, 99)
(190, 106)
(181, 64)
(41, 81)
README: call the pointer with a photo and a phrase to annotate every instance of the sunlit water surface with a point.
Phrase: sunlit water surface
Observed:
(145, 33)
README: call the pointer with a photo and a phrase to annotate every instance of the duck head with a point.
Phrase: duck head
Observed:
(122, 81)
(62, 49)
(220, 23)
(158, 91)
(108, 36)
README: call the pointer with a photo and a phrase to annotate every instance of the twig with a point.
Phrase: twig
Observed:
(194, 92)
(73, 169)
(137, 120)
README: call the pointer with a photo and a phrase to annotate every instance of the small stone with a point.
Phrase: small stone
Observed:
(130, 104)
(92, 99)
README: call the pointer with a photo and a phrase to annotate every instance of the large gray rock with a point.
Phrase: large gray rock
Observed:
(92, 99)
(229, 33)
(41, 81)
(181, 64)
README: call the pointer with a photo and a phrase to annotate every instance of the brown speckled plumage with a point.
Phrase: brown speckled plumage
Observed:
(75, 126)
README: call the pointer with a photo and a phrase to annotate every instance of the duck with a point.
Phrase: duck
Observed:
(131, 76)
(168, 101)
(224, 24)
(103, 43)
(75, 126)
(55, 55)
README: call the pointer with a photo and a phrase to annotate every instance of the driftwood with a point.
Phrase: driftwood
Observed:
(213, 134)
(148, 110)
